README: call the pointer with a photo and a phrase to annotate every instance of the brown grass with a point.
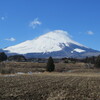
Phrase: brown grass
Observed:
(68, 82)
(50, 86)
(41, 67)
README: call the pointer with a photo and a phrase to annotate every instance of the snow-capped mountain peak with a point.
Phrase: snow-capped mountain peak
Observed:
(60, 36)
(56, 43)
(49, 42)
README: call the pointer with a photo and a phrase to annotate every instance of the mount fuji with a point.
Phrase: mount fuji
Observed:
(56, 43)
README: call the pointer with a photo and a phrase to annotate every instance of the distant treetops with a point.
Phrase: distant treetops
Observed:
(17, 58)
(50, 64)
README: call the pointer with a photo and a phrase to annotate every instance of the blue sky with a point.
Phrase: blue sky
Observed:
(22, 20)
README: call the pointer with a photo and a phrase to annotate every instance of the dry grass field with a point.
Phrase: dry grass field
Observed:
(68, 82)
(50, 86)
(41, 67)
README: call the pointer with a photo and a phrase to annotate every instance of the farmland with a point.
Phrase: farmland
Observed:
(30, 81)
(50, 86)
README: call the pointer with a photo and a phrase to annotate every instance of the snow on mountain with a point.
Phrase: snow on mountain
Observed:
(79, 50)
(49, 42)
(56, 43)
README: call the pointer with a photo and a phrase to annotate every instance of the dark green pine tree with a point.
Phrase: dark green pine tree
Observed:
(3, 56)
(50, 65)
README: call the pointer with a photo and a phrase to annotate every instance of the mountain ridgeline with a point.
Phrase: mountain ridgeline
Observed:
(57, 44)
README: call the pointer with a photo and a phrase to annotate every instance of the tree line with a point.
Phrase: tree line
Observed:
(50, 63)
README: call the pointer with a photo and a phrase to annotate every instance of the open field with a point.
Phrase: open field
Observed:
(41, 67)
(50, 86)
(78, 81)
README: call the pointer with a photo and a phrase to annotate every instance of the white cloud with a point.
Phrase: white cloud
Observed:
(11, 39)
(90, 32)
(35, 23)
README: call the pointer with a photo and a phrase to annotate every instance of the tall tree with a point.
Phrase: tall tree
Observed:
(50, 65)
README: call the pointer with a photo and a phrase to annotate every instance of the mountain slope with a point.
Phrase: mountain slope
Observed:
(56, 43)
